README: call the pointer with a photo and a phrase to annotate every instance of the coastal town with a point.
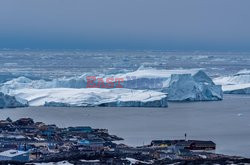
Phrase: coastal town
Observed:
(25, 141)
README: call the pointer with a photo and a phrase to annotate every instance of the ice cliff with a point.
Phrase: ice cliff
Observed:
(7, 101)
(238, 83)
(197, 87)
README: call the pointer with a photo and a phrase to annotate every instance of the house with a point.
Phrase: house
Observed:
(11, 137)
(80, 129)
(14, 155)
(48, 133)
(24, 122)
(184, 152)
(186, 144)
(39, 124)
(93, 143)
(97, 143)
(28, 129)
(84, 142)
(182, 144)
(49, 130)
(5, 125)
(7, 146)
(201, 145)
(164, 143)
(164, 155)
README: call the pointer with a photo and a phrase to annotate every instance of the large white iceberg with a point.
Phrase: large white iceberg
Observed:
(183, 85)
(238, 83)
(7, 101)
(143, 78)
(197, 87)
(92, 97)
(150, 78)
(24, 82)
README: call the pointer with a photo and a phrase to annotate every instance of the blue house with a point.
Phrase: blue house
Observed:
(84, 142)
(80, 129)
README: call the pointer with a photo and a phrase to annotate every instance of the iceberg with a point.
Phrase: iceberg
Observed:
(143, 78)
(150, 78)
(85, 97)
(179, 84)
(7, 101)
(24, 82)
(197, 87)
(240, 90)
(238, 83)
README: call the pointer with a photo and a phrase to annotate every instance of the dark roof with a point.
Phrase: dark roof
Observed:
(182, 142)
(169, 142)
(202, 142)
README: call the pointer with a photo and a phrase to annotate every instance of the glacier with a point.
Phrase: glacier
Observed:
(238, 83)
(7, 101)
(86, 97)
(197, 87)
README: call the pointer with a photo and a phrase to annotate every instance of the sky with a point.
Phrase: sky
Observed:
(222, 25)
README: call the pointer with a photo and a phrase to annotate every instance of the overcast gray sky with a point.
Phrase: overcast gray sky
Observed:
(126, 24)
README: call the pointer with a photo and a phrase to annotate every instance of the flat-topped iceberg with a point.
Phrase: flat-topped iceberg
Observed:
(197, 87)
(238, 83)
(143, 78)
(7, 101)
(240, 90)
(151, 78)
(179, 84)
(92, 97)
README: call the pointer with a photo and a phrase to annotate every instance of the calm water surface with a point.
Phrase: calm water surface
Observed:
(225, 122)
